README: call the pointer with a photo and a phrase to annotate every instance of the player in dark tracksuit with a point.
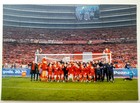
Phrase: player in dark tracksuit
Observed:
(101, 70)
(98, 72)
(33, 70)
(105, 71)
(111, 73)
(95, 66)
(37, 71)
(65, 72)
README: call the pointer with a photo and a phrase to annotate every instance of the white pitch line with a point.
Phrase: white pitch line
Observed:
(63, 89)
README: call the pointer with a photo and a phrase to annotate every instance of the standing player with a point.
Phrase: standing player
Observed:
(61, 73)
(56, 72)
(105, 71)
(101, 69)
(37, 71)
(98, 72)
(76, 72)
(91, 74)
(85, 72)
(95, 67)
(50, 72)
(33, 71)
(65, 71)
(71, 71)
(40, 71)
(88, 66)
(81, 73)
(111, 73)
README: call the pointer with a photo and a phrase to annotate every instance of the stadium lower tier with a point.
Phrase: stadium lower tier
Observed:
(21, 54)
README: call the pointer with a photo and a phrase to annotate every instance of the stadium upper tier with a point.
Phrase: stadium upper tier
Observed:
(64, 16)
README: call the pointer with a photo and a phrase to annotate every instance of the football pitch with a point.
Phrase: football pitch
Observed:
(22, 89)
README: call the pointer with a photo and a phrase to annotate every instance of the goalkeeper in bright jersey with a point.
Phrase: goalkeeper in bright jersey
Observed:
(130, 73)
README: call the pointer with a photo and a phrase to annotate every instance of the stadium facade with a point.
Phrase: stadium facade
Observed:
(64, 17)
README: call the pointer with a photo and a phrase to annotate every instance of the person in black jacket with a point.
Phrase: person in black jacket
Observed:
(111, 73)
(98, 72)
(101, 70)
(65, 71)
(105, 71)
(33, 70)
(37, 71)
(94, 64)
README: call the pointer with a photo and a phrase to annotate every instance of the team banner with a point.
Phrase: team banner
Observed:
(118, 73)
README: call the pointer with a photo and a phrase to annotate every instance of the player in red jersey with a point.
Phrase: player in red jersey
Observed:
(70, 69)
(58, 65)
(86, 72)
(53, 68)
(76, 72)
(88, 66)
(50, 72)
(61, 73)
(56, 72)
(81, 73)
(91, 74)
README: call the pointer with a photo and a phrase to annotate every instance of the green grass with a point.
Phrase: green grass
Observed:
(23, 89)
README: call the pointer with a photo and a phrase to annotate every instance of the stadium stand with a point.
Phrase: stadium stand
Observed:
(25, 26)
(89, 34)
(121, 52)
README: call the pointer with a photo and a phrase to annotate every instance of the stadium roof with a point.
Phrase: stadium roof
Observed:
(64, 16)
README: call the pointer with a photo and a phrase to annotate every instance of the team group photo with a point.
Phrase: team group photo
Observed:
(64, 70)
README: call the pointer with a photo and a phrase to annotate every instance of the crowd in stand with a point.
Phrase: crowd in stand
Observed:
(24, 53)
(88, 34)
(20, 54)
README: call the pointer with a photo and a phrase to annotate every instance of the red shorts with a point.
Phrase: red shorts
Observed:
(76, 73)
(50, 73)
(56, 73)
(61, 73)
